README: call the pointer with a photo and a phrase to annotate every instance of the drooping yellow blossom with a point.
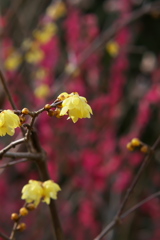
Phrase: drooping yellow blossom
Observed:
(50, 190)
(112, 48)
(13, 61)
(75, 106)
(32, 192)
(56, 10)
(36, 191)
(8, 122)
(42, 91)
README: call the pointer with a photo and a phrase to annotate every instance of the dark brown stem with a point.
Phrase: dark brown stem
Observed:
(113, 223)
(7, 90)
(11, 145)
(2, 235)
(42, 166)
(129, 191)
(13, 163)
(22, 155)
(54, 215)
(154, 195)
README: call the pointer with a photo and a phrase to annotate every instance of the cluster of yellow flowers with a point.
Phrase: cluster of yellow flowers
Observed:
(75, 106)
(72, 105)
(36, 191)
(8, 122)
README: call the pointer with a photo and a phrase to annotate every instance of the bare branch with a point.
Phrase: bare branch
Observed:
(129, 191)
(22, 155)
(3, 80)
(11, 145)
(13, 163)
(4, 236)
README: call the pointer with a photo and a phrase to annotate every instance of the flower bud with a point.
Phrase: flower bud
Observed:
(51, 113)
(23, 211)
(25, 111)
(21, 227)
(30, 206)
(135, 142)
(144, 149)
(130, 146)
(14, 217)
(47, 106)
(22, 119)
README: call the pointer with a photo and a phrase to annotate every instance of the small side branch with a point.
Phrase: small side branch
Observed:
(7, 90)
(2, 235)
(11, 145)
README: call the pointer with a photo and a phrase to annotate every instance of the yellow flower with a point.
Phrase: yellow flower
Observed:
(13, 61)
(113, 48)
(76, 107)
(44, 35)
(42, 91)
(50, 190)
(32, 192)
(57, 10)
(8, 122)
(34, 56)
(36, 191)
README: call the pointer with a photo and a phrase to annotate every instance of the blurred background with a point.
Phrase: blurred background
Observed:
(48, 47)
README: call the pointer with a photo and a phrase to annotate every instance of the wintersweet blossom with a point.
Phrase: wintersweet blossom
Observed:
(50, 190)
(8, 122)
(32, 192)
(75, 106)
(36, 191)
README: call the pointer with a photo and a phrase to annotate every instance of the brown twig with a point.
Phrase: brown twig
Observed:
(42, 166)
(11, 145)
(129, 211)
(7, 90)
(129, 191)
(13, 163)
(22, 155)
(2, 235)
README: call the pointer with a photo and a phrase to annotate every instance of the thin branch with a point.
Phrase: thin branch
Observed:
(42, 166)
(113, 223)
(129, 191)
(135, 180)
(22, 155)
(11, 145)
(2, 78)
(2, 235)
(13, 163)
(154, 195)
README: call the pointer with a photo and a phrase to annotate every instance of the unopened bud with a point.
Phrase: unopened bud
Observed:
(30, 206)
(51, 113)
(25, 111)
(21, 227)
(23, 211)
(14, 216)
(136, 142)
(47, 106)
(130, 146)
(144, 149)
(22, 119)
